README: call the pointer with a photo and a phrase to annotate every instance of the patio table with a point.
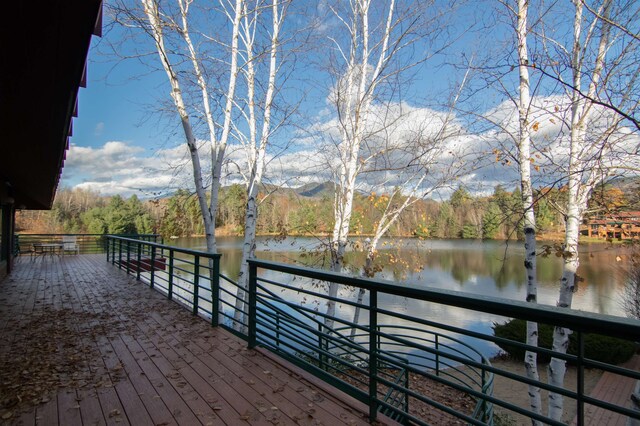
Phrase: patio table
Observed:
(47, 248)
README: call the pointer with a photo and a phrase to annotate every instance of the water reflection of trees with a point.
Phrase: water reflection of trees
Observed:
(487, 267)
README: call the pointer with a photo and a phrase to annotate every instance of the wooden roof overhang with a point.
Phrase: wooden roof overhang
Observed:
(44, 55)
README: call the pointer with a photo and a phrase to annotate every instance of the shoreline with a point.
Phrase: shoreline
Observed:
(546, 238)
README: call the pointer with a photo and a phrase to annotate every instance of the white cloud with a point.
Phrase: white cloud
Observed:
(98, 129)
(121, 168)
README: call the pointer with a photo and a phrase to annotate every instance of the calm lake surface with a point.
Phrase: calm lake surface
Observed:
(489, 268)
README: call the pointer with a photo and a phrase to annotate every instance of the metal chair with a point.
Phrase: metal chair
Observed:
(70, 244)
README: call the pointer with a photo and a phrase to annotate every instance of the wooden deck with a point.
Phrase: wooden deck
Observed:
(82, 343)
(615, 389)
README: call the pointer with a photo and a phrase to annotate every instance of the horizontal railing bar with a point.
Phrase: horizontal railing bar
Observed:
(313, 293)
(175, 249)
(331, 366)
(431, 402)
(304, 309)
(611, 407)
(569, 318)
(329, 336)
(480, 336)
(313, 342)
(232, 305)
(405, 338)
(587, 362)
(290, 334)
(224, 277)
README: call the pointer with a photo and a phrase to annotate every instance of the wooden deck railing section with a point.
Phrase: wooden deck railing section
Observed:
(85, 344)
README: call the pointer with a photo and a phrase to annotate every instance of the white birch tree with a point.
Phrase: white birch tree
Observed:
(173, 23)
(429, 153)
(524, 162)
(595, 142)
(258, 117)
(581, 179)
(370, 56)
(247, 56)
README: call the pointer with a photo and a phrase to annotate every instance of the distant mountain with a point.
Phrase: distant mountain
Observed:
(626, 184)
(316, 190)
(309, 190)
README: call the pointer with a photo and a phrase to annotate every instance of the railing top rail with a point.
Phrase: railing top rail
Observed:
(573, 319)
(166, 247)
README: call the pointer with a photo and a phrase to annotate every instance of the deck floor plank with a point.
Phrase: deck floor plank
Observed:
(47, 413)
(154, 403)
(258, 396)
(199, 392)
(68, 408)
(90, 409)
(136, 358)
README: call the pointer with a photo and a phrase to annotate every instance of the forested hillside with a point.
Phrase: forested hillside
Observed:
(308, 210)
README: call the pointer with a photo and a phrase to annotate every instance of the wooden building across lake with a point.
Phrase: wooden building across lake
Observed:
(622, 225)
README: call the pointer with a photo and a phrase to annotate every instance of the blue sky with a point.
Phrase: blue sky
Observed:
(116, 129)
(122, 145)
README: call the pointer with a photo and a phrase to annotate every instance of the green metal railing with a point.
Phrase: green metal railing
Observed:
(191, 278)
(390, 358)
(87, 243)
(366, 364)
(374, 360)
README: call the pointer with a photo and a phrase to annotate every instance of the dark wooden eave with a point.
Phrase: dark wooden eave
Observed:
(44, 54)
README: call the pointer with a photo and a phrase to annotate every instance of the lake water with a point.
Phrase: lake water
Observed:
(489, 268)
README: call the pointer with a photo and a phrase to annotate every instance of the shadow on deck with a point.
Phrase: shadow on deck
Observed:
(82, 343)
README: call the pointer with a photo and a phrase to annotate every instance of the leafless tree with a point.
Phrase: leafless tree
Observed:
(371, 53)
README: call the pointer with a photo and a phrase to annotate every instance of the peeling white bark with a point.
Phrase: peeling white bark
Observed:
(582, 178)
(217, 146)
(256, 149)
(156, 26)
(524, 159)
(354, 96)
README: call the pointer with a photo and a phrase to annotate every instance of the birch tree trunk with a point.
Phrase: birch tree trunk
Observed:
(217, 146)
(354, 95)
(524, 149)
(156, 27)
(256, 149)
(581, 179)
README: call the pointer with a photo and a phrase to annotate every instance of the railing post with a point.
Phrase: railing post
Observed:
(153, 266)
(128, 257)
(196, 284)
(119, 254)
(373, 355)
(580, 384)
(113, 251)
(170, 289)
(253, 299)
(107, 241)
(214, 263)
(321, 344)
(437, 356)
(406, 394)
(138, 259)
